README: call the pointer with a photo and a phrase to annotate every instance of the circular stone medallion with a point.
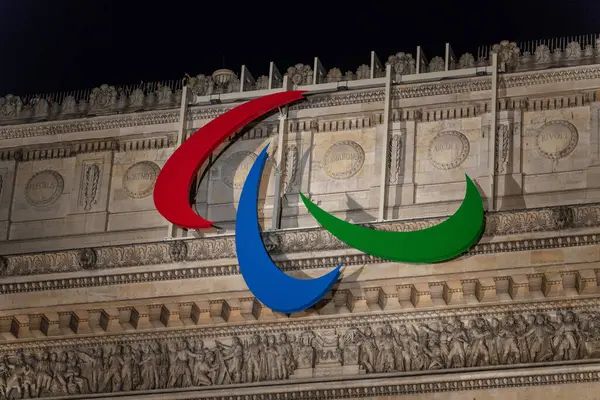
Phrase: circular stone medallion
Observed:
(448, 150)
(139, 179)
(236, 168)
(343, 159)
(556, 139)
(44, 188)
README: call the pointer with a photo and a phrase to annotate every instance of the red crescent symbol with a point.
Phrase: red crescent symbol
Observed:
(173, 184)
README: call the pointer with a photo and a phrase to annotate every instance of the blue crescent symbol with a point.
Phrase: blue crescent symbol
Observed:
(271, 286)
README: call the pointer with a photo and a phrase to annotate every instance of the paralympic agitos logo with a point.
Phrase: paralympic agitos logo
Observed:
(273, 287)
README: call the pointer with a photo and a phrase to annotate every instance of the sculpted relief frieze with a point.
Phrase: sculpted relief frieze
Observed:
(556, 139)
(223, 247)
(393, 345)
(44, 188)
(448, 150)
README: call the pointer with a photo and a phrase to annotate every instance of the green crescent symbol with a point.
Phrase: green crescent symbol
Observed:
(441, 242)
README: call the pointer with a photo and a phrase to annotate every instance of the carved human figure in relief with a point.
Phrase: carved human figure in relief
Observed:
(286, 356)
(406, 341)
(149, 373)
(255, 360)
(479, 353)
(113, 361)
(273, 365)
(567, 338)
(20, 377)
(387, 346)
(58, 369)
(202, 371)
(367, 355)
(233, 354)
(75, 382)
(43, 373)
(305, 352)
(539, 338)
(493, 341)
(179, 370)
(93, 366)
(163, 364)
(437, 344)
(509, 348)
(523, 325)
(127, 368)
(458, 341)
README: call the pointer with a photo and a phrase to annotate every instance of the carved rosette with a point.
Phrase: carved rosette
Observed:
(466, 61)
(334, 75)
(437, 64)
(363, 72)
(262, 83)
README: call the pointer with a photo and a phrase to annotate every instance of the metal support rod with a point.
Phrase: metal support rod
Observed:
(386, 133)
(173, 230)
(493, 133)
(10, 190)
(281, 136)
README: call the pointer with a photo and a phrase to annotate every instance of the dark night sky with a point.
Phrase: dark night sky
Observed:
(75, 44)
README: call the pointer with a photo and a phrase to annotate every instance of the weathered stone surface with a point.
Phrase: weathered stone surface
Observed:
(94, 301)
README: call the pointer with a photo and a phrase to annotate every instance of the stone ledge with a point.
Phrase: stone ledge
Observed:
(223, 313)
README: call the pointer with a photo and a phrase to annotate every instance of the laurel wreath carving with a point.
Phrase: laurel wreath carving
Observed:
(502, 145)
(393, 162)
(90, 189)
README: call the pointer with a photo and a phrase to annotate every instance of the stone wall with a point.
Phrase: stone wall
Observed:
(93, 301)
(545, 144)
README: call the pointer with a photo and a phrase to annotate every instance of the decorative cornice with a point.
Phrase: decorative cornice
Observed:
(422, 298)
(550, 219)
(332, 100)
(285, 242)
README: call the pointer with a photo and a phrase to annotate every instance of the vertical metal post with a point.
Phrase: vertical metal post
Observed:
(386, 133)
(173, 230)
(281, 136)
(493, 133)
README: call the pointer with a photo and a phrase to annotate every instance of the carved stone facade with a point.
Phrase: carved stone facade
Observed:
(97, 300)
